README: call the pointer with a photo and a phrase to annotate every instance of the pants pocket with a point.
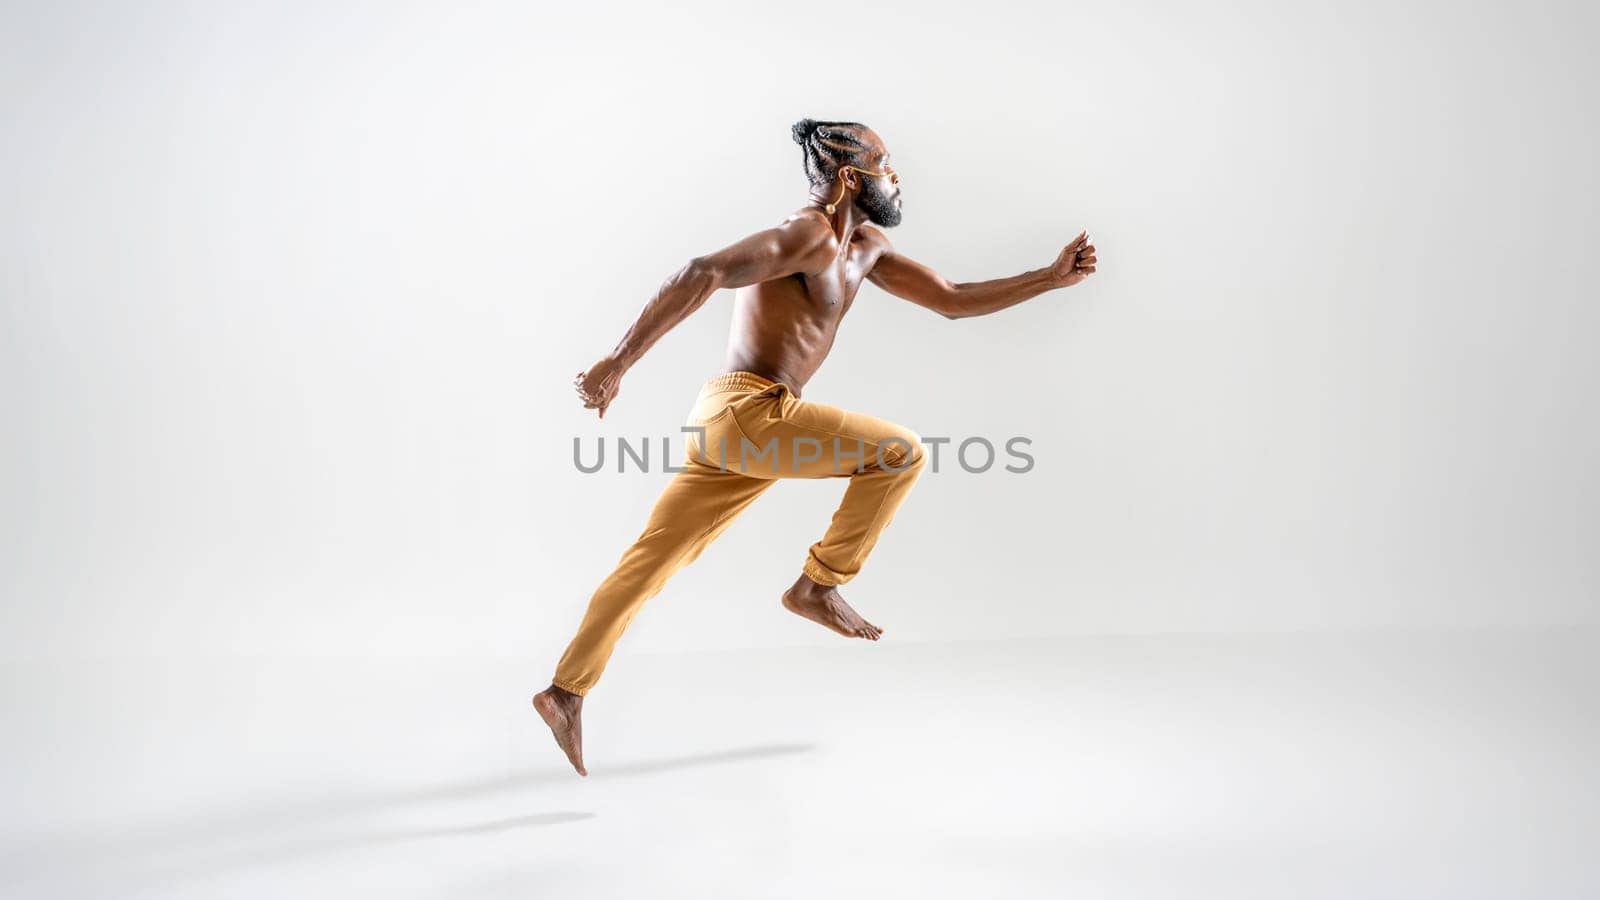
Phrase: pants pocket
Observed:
(707, 435)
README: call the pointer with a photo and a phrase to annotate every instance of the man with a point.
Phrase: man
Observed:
(795, 281)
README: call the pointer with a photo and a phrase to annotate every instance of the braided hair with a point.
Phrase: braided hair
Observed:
(827, 146)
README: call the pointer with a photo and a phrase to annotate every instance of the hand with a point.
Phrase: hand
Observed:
(598, 386)
(1076, 262)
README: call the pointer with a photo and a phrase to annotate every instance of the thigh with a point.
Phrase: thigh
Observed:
(699, 501)
(789, 437)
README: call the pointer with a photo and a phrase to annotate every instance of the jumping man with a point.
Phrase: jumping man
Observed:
(795, 281)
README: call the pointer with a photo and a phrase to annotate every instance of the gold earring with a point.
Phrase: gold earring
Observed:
(836, 200)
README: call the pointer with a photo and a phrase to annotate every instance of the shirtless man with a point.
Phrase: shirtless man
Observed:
(795, 282)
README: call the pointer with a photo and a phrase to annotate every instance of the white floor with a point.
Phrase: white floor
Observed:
(1373, 766)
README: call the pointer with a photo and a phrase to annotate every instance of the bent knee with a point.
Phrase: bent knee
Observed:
(903, 452)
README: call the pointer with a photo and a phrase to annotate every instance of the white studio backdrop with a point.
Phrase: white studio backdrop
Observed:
(293, 296)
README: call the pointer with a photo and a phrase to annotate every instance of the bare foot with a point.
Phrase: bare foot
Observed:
(562, 711)
(822, 604)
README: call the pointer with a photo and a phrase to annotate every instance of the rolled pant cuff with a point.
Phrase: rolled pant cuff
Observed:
(821, 574)
(571, 687)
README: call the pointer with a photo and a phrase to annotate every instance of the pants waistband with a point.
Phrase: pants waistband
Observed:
(733, 381)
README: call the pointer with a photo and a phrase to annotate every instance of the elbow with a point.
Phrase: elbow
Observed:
(950, 304)
(702, 273)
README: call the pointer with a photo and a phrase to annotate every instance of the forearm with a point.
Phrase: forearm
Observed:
(678, 297)
(979, 298)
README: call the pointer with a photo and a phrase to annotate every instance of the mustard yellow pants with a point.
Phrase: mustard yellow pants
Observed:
(750, 432)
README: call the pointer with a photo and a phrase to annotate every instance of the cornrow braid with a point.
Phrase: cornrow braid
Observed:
(827, 146)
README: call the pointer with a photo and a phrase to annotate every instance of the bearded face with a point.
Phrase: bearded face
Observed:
(881, 205)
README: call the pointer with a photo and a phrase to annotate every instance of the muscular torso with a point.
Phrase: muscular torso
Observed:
(783, 329)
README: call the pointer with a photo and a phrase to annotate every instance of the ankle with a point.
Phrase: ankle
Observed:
(563, 696)
(805, 587)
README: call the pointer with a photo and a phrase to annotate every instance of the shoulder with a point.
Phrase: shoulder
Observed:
(874, 236)
(878, 248)
(807, 233)
(808, 223)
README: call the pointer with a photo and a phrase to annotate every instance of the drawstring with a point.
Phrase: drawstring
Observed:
(733, 381)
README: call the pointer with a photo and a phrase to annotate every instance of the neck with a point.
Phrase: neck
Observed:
(845, 218)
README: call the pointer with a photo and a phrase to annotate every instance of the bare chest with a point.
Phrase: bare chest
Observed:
(834, 289)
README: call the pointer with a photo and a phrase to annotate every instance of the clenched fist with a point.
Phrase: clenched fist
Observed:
(598, 386)
(1076, 262)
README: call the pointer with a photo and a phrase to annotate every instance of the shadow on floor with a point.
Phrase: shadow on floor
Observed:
(265, 835)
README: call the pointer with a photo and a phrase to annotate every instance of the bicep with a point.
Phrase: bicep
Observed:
(908, 279)
(767, 254)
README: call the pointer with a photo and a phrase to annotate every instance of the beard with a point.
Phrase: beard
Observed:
(881, 208)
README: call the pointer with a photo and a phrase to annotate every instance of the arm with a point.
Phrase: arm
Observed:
(908, 279)
(799, 245)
